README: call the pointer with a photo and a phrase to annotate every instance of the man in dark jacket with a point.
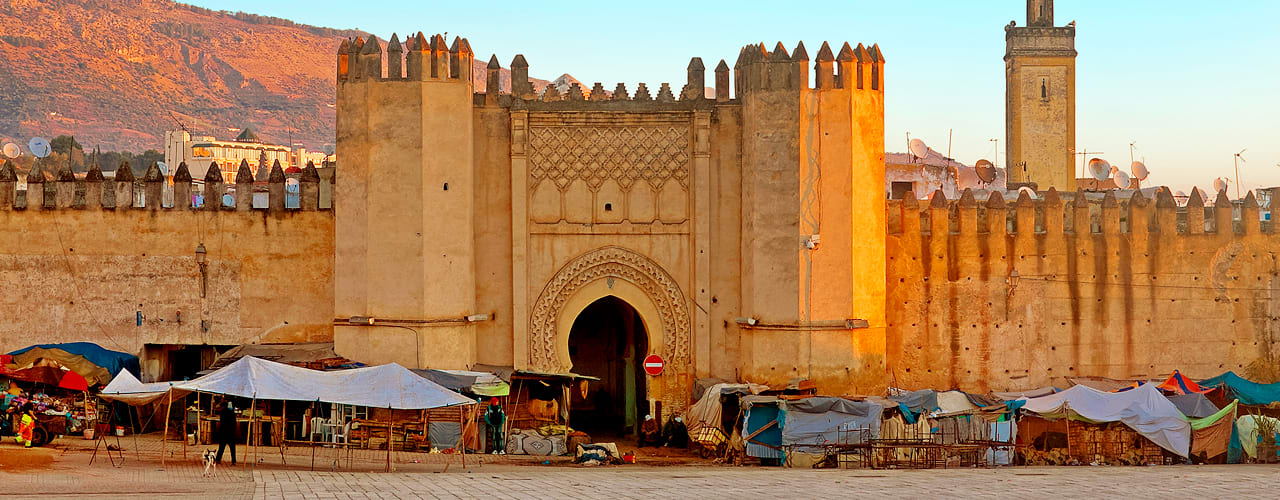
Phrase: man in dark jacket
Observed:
(227, 431)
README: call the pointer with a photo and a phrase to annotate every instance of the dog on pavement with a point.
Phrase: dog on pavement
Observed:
(210, 462)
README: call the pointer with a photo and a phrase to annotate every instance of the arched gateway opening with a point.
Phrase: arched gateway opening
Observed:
(608, 341)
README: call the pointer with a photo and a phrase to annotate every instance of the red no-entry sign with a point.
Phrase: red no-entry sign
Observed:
(653, 364)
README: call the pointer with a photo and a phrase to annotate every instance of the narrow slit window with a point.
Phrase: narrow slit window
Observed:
(1044, 90)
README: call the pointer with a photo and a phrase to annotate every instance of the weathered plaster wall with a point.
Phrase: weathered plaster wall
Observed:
(1137, 299)
(80, 275)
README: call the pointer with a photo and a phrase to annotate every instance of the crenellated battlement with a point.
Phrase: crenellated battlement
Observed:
(419, 58)
(124, 192)
(1079, 213)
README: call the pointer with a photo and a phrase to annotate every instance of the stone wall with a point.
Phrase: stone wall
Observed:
(1146, 289)
(81, 270)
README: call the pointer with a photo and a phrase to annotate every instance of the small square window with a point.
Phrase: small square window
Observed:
(608, 207)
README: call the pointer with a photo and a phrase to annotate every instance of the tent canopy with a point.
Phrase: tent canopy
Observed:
(817, 420)
(1179, 384)
(1143, 409)
(385, 386)
(126, 388)
(1193, 405)
(96, 364)
(1246, 391)
(478, 383)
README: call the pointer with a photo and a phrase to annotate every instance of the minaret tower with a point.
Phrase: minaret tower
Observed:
(1040, 100)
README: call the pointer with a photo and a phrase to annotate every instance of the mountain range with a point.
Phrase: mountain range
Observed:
(118, 73)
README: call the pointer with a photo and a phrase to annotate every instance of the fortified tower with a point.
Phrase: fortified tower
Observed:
(1040, 100)
(404, 261)
(813, 202)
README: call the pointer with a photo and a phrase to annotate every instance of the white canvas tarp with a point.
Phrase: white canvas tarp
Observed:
(1143, 409)
(384, 386)
(128, 389)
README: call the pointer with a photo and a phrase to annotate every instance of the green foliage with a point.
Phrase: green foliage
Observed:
(64, 144)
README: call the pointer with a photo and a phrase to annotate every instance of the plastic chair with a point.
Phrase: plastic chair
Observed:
(318, 428)
(340, 433)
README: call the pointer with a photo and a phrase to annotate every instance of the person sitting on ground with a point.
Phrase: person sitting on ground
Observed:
(650, 433)
(675, 434)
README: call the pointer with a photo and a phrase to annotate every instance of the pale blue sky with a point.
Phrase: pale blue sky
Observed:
(1191, 82)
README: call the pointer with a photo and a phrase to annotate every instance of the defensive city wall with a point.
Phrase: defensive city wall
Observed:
(984, 294)
(78, 263)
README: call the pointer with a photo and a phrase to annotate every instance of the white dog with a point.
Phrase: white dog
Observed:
(210, 462)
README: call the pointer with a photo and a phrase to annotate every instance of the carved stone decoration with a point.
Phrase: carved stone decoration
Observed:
(613, 263)
(654, 154)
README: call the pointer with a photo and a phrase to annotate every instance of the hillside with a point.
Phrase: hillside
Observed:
(117, 73)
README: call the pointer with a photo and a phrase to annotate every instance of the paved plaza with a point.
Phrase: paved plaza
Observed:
(63, 471)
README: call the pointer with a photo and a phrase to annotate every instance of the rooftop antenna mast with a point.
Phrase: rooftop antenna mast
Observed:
(950, 131)
(179, 122)
(1131, 143)
(1237, 160)
(996, 150)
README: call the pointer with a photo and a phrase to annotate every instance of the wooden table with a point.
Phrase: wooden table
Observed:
(364, 431)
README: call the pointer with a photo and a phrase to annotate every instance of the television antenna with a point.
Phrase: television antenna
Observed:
(1131, 143)
(1237, 160)
(995, 149)
(179, 122)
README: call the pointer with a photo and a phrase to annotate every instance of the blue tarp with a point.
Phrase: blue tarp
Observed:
(1247, 391)
(113, 361)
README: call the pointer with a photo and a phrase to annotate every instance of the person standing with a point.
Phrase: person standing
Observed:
(227, 432)
(495, 419)
(27, 428)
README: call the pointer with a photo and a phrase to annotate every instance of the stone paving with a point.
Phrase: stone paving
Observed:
(141, 475)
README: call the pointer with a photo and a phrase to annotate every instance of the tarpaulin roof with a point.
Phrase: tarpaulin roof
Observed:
(1143, 409)
(113, 361)
(951, 401)
(126, 387)
(479, 383)
(818, 420)
(1178, 384)
(1247, 391)
(384, 386)
(1211, 436)
(52, 375)
(290, 354)
(1029, 393)
(1194, 405)
(707, 412)
(925, 400)
(1104, 384)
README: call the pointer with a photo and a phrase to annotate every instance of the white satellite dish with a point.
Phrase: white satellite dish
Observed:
(1121, 179)
(918, 148)
(12, 150)
(164, 168)
(1203, 194)
(1099, 169)
(1030, 192)
(39, 147)
(1220, 184)
(1139, 171)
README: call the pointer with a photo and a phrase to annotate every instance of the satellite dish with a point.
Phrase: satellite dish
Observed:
(985, 170)
(1030, 192)
(1220, 184)
(39, 147)
(1121, 179)
(1203, 195)
(12, 150)
(1180, 194)
(1099, 169)
(1139, 171)
(164, 168)
(918, 148)
(328, 149)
